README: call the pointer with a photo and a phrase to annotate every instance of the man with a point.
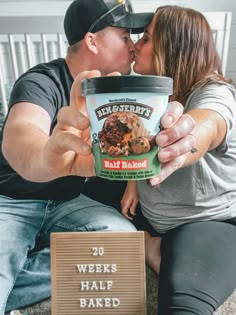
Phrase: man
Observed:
(44, 156)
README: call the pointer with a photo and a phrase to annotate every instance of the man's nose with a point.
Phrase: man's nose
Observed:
(131, 43)
(137, 44)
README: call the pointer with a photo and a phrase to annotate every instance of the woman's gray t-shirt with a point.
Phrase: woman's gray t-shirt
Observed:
(205, 190)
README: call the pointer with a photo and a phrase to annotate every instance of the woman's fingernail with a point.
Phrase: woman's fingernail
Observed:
(154, 181)
(164, 156)
(168, 120)
(162, 139)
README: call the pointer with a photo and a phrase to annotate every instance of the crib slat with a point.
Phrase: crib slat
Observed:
(61, 44)
(13, 55)
(21, 55)
(2, 91)
(54, 54)
(29, 50)
(45, 49)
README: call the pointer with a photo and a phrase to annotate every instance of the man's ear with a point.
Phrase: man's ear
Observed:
(90, 41)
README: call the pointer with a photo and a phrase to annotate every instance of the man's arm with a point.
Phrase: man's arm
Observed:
(38, 157)
(34, 154)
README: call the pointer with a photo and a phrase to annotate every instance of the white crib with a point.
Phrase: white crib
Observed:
(26, 41)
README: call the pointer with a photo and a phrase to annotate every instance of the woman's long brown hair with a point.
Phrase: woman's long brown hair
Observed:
(184, 49)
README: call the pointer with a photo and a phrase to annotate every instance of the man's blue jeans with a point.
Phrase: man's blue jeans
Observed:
(25, 227)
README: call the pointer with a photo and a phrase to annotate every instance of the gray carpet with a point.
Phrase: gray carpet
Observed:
(43, 308)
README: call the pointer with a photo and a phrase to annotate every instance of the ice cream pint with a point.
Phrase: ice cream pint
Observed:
(125, 114)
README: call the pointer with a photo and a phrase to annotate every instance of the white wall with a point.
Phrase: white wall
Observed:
(38, 7)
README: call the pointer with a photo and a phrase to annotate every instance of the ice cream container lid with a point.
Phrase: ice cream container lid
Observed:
(127, 83)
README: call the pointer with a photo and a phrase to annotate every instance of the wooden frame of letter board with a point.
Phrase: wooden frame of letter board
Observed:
(127, 282)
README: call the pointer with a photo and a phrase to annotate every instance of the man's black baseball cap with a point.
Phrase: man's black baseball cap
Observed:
(83, 16)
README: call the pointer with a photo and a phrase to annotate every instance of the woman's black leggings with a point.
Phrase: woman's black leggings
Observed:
(198, 264)
(198, 268)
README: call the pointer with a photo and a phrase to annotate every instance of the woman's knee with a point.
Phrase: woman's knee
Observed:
(193, 265)
(186, 301)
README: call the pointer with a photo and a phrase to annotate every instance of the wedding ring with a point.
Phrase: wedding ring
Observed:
(193, 150)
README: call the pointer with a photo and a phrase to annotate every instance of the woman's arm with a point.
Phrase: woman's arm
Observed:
(210, 130)
(129, 200)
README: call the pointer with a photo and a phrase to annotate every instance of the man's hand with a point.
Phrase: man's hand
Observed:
(68, 150)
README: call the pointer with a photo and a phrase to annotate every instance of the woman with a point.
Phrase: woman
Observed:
(194, 210)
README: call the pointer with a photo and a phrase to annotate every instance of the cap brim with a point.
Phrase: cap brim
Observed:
(137, 22)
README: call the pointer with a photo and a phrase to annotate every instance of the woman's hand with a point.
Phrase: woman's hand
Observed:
(175, 140)
(129, 200)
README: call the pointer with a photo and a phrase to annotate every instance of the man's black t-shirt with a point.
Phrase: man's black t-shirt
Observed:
(47, 85)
